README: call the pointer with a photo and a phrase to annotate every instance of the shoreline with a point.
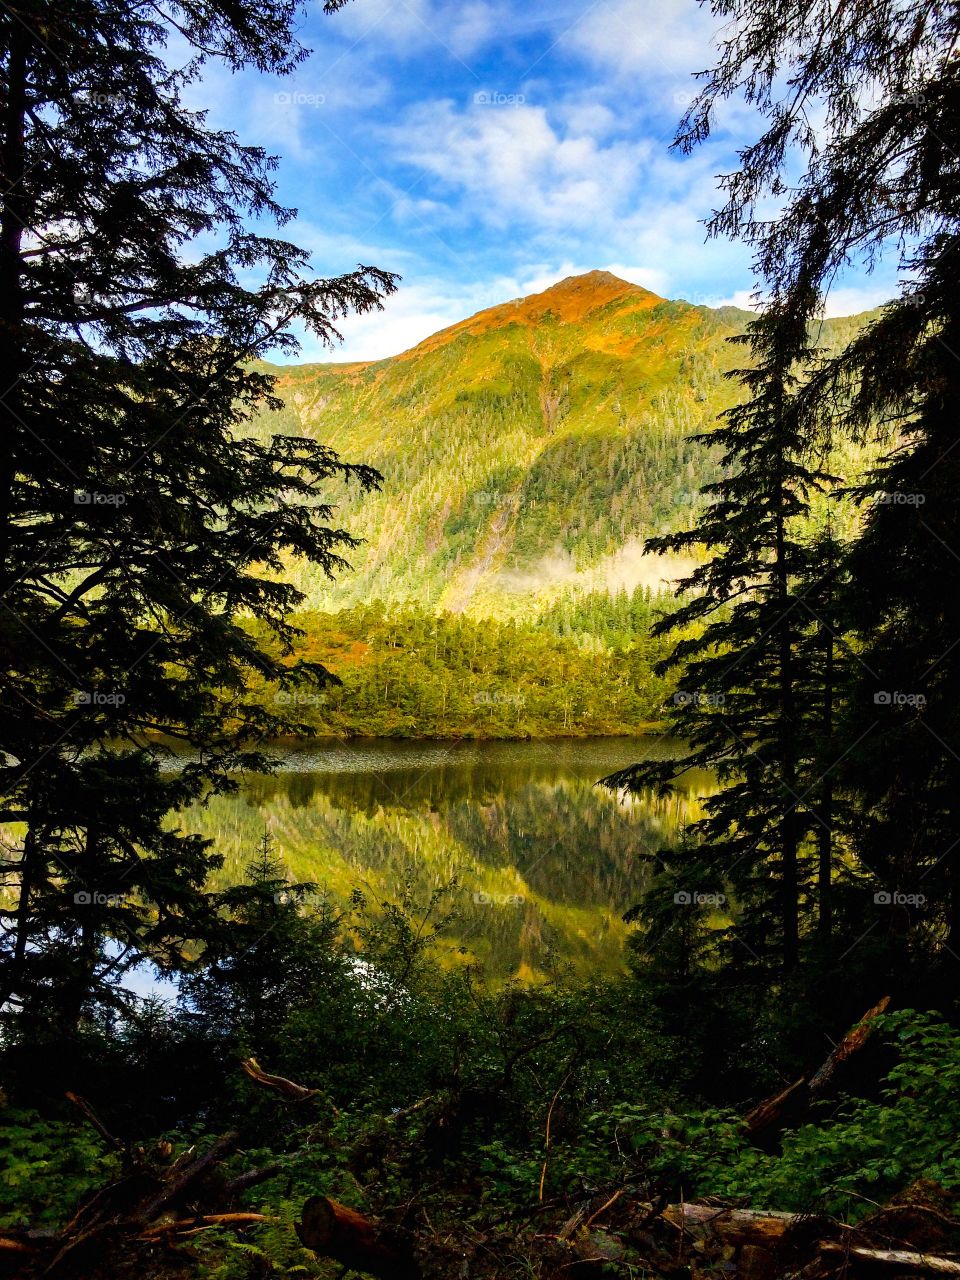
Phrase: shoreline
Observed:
(652, 728)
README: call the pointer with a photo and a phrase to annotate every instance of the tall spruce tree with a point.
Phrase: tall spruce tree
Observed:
(140, 522)
(901, 732)
(882, 176)
(824, 657)
(743, 705)
(860, 138)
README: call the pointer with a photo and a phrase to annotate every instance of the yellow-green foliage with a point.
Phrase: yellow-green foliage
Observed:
(523, 447)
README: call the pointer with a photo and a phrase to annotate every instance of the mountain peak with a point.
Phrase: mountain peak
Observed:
(569, 300)
(591, 290)
(592, 280)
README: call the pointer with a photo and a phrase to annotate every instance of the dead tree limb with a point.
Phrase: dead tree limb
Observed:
(291, 1091)
(252, 1178)
(10, 1245)
(895, 1258)
(731, 1226)
(178, 1186)
(83, 1106)
(790, 1105)
(188, 1226)
(851, 1043)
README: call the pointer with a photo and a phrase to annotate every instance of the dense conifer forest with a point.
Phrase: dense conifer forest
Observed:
(584, 666)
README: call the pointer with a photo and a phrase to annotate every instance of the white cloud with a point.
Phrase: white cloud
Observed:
(408, 317)
(391, 24)
(408, 27)
(558, 182)
(511, 164)
(670, 39)
(419, 308)
(474, 25)
(463, 28)
(652, 278)
(849, 300)
(588, 117)
(745, 299)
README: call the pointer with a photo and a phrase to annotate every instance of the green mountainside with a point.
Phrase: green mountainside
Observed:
(527, 451)
(501, 589)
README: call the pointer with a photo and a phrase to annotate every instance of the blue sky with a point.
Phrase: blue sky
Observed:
(484, 149)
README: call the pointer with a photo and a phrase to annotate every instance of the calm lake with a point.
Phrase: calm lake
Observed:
(545, 861)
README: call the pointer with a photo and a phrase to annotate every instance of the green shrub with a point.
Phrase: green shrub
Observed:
(864, 1153)
(46, 1167)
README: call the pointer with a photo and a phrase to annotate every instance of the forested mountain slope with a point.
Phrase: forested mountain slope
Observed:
(527, 450)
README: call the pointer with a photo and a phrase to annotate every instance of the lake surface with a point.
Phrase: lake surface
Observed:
(545, 861)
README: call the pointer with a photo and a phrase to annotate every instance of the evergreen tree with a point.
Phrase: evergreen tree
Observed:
(272, 948)
(881, 176)
(742, 705)
(904, 718)
(139, 519)
(881, 167)
(825, 655)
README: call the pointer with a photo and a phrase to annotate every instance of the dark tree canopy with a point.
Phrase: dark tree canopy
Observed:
(142, 279)
(846, 700)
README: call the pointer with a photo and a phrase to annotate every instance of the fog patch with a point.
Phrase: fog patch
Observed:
(626, 569)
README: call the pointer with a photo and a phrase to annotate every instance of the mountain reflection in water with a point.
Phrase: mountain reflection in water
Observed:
(545, 861)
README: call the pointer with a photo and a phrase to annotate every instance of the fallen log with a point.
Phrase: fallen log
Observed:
(9, 1245)
(88, 1112)
(187, 1177)
(252, 1178)
(593, 1250)
(895, 1258)
(851, 1043)
(780, 1111)
(790, 1105)
(333, 1231)
(764, 1229)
